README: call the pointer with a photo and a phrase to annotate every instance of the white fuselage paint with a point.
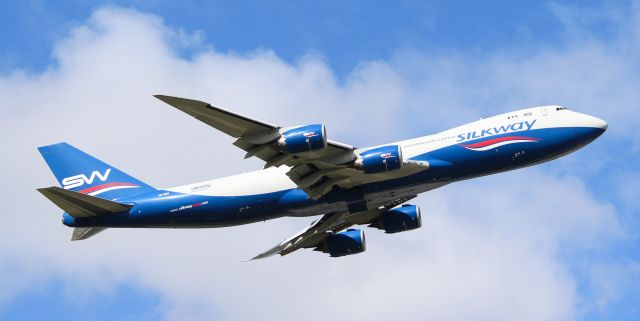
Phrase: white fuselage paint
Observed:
(274, 179)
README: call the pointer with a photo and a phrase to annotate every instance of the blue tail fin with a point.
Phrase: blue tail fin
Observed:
(80, 172)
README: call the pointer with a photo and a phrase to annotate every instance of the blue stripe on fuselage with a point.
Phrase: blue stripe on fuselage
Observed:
(450, 163)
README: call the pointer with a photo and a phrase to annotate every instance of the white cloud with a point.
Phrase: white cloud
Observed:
(490, 249)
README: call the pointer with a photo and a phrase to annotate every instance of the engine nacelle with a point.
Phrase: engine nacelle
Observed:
(303, 139)
(404, 218)
(381, 159)
(344, 243)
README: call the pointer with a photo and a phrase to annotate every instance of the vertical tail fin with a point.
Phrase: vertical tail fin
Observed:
(80, 172)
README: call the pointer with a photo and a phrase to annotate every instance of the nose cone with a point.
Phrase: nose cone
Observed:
(596, 122)
(589, 128)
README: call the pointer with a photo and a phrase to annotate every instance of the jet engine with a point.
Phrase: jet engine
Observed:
(303, 139)
(381, 159)
(400, 219)
(344, 243)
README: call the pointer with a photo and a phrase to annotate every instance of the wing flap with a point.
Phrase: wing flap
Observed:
(257, 139)
(232, 124)
(318, 230)
(308, 237)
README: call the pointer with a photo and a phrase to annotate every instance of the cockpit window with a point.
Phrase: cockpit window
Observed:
(561, 108)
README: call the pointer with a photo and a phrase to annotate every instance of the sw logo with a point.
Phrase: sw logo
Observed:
(81, 179)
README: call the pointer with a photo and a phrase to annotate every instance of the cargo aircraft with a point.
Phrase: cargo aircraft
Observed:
(307, 174)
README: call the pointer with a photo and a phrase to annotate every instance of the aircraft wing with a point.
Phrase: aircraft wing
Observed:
(314, 235)
(316, 172)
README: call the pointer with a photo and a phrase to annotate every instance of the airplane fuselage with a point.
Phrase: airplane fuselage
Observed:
(487, 146)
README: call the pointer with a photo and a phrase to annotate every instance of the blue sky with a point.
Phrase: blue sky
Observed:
(569, 252)
(345, 33)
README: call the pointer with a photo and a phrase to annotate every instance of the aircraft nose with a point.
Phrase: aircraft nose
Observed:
(589, 128)
(596, 122)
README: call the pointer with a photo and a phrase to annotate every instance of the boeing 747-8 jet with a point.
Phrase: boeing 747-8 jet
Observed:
(307, 174)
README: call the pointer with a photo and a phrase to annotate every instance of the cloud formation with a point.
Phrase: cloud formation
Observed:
(499, 248)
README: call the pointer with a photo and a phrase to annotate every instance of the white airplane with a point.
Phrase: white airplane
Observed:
(306, 174)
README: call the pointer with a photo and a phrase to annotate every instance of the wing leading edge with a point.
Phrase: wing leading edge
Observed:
(316, 172)
(314, 235)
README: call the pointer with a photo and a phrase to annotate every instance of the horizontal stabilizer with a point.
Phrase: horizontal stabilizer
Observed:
(82, 233)
(80, 205)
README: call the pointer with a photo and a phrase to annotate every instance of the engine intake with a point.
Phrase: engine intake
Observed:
(347, 242)
(400, 219)
(381, 159)
(303, 139)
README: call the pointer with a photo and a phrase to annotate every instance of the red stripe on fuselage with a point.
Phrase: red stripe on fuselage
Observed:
(99, 187)
(499, 140)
